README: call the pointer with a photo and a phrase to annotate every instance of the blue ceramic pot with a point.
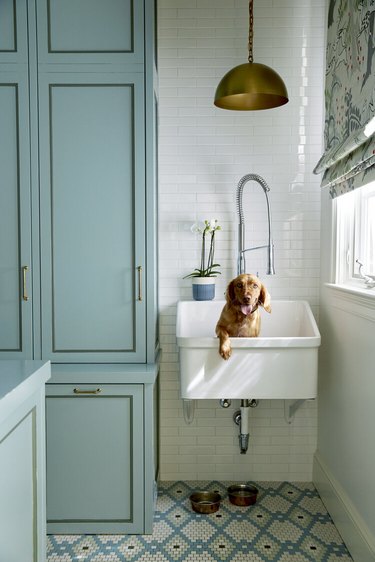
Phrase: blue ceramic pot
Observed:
(203, 288)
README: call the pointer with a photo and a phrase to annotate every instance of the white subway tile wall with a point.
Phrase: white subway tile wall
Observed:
(203, 153)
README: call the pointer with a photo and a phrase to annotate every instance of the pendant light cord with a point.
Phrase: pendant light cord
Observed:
(251, 35)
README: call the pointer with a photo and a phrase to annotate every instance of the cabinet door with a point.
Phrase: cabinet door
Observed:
(15, 220)
(90, 31)
(92, 217)
(13, 31)
(95, 459)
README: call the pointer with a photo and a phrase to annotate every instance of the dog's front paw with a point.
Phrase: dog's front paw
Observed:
(225, 350)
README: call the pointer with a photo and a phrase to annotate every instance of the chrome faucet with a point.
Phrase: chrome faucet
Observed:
(241, 262)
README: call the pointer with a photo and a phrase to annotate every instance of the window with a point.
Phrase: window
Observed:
(355, 238)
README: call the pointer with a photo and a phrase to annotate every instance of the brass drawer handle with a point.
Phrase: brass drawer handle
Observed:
(139, 268)
(79, 391)
(25, 269)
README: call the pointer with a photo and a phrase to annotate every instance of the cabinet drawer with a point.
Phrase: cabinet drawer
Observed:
(95, 461)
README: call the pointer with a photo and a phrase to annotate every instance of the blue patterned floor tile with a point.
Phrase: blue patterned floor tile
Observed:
(288, 523)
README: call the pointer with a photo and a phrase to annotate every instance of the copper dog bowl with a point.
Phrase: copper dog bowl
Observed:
(242, 494)
(205, 502)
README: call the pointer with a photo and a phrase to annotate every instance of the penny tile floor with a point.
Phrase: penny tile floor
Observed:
(288, 523)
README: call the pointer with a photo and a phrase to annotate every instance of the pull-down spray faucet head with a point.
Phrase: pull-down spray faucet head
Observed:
(270, 260)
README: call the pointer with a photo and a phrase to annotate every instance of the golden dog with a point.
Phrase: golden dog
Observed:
(240, 316)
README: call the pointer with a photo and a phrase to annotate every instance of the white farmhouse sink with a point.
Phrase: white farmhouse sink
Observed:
(282, 363)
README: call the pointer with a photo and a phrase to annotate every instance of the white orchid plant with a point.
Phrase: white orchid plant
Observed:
(209, 268)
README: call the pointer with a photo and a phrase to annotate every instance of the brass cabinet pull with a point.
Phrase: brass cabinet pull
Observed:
(25, 269)
(139, 268)
(80, 391)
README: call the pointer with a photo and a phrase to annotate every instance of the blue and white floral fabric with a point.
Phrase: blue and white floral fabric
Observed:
(349, 158)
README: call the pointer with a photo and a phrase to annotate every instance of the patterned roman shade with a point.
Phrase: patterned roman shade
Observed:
(349, 158)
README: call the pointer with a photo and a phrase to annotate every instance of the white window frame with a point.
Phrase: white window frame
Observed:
(364, 241)
(355, 237)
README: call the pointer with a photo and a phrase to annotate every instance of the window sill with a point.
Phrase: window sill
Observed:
(356, 300)
(356, 290)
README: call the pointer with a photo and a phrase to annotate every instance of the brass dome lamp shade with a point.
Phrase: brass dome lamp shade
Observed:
(251, 85)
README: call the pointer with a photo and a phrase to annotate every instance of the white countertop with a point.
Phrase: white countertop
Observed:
(18, 381)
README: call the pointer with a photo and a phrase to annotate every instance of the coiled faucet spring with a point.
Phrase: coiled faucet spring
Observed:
(241, 262)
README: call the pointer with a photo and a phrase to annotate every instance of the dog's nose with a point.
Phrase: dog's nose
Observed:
(246, 300)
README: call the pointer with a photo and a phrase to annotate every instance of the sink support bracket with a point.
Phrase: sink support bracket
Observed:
(291, 407)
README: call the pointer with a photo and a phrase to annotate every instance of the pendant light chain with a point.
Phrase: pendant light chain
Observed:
(251, 35)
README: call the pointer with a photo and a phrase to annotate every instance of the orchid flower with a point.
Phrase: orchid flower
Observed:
(206, 227)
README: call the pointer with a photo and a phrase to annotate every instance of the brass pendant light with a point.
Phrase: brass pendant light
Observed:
(251, 85)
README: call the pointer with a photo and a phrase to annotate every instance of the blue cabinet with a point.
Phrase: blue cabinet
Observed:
(15, 209)
(78, 245)
(92, 217)
(13, 32)
(77, 166)
(91, 31)
(97, 145)
(95, 464)
(97, 197)
(102, 448)
(15, 218)
(92, 180)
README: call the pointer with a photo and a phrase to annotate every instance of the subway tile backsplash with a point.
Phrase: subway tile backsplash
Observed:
(203, 153)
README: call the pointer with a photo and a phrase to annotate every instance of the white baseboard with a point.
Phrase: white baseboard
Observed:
(353, 530)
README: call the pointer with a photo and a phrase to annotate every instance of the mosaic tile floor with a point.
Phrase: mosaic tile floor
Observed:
(288, 523)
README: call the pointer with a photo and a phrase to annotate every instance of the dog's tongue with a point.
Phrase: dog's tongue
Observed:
(246, 309)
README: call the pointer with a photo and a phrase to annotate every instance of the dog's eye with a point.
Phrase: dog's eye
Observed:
(239, 285)
(255, 286)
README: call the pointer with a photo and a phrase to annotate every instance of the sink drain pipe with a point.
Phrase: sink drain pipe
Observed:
(241, 418)
(188, 408)
(244, 426)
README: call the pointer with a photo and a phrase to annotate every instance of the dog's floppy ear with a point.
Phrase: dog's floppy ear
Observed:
(229, 294)
(265, 299)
